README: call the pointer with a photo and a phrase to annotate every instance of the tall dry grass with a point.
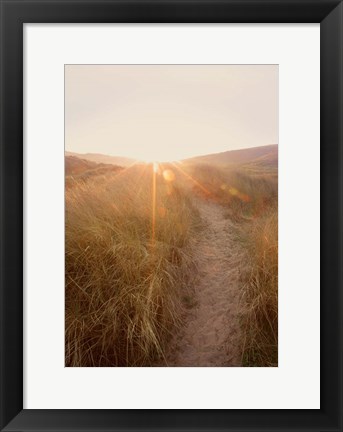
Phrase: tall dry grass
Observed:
(127, 263)
(260, 296)
(246, 193)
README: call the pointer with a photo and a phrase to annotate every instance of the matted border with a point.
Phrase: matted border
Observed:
(188, 387)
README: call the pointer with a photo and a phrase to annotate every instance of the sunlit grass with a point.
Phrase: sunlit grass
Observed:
(129, 258)
(260, 296)
(127, 262)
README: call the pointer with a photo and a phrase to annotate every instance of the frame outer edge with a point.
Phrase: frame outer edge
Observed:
(11, 162)
(11, 228)
(331, 64)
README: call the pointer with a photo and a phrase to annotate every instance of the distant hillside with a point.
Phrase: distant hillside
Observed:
(77, 170)
(101, 158)
(266, 156)
(268, 160)
(75, 165)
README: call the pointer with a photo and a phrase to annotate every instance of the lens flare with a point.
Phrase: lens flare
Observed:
(168, 175)
(233, 191)
(192, 179)
(154, 171)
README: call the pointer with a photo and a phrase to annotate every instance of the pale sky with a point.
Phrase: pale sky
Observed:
(169, 112)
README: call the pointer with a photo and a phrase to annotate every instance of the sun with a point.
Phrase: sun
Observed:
(151, 160)
(158, 155)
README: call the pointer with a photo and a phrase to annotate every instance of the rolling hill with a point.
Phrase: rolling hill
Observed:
(75, 165)
(104, 159)
(266, 156)
(77, 170)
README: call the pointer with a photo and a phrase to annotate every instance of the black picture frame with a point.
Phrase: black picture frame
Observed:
(14, 13)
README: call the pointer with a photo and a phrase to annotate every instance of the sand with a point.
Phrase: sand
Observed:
(211, 333)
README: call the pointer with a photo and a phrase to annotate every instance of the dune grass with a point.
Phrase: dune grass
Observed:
(244, 192)
(260, 295)
(127, 264)
(129, 259)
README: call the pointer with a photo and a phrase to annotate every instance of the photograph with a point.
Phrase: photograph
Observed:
(171, 215)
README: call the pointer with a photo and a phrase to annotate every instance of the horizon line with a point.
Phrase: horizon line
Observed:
(191, 157)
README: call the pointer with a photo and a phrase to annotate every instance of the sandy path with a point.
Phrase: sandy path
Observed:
(211, 332)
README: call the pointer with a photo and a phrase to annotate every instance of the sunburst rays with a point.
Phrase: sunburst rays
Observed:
(192, 179)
